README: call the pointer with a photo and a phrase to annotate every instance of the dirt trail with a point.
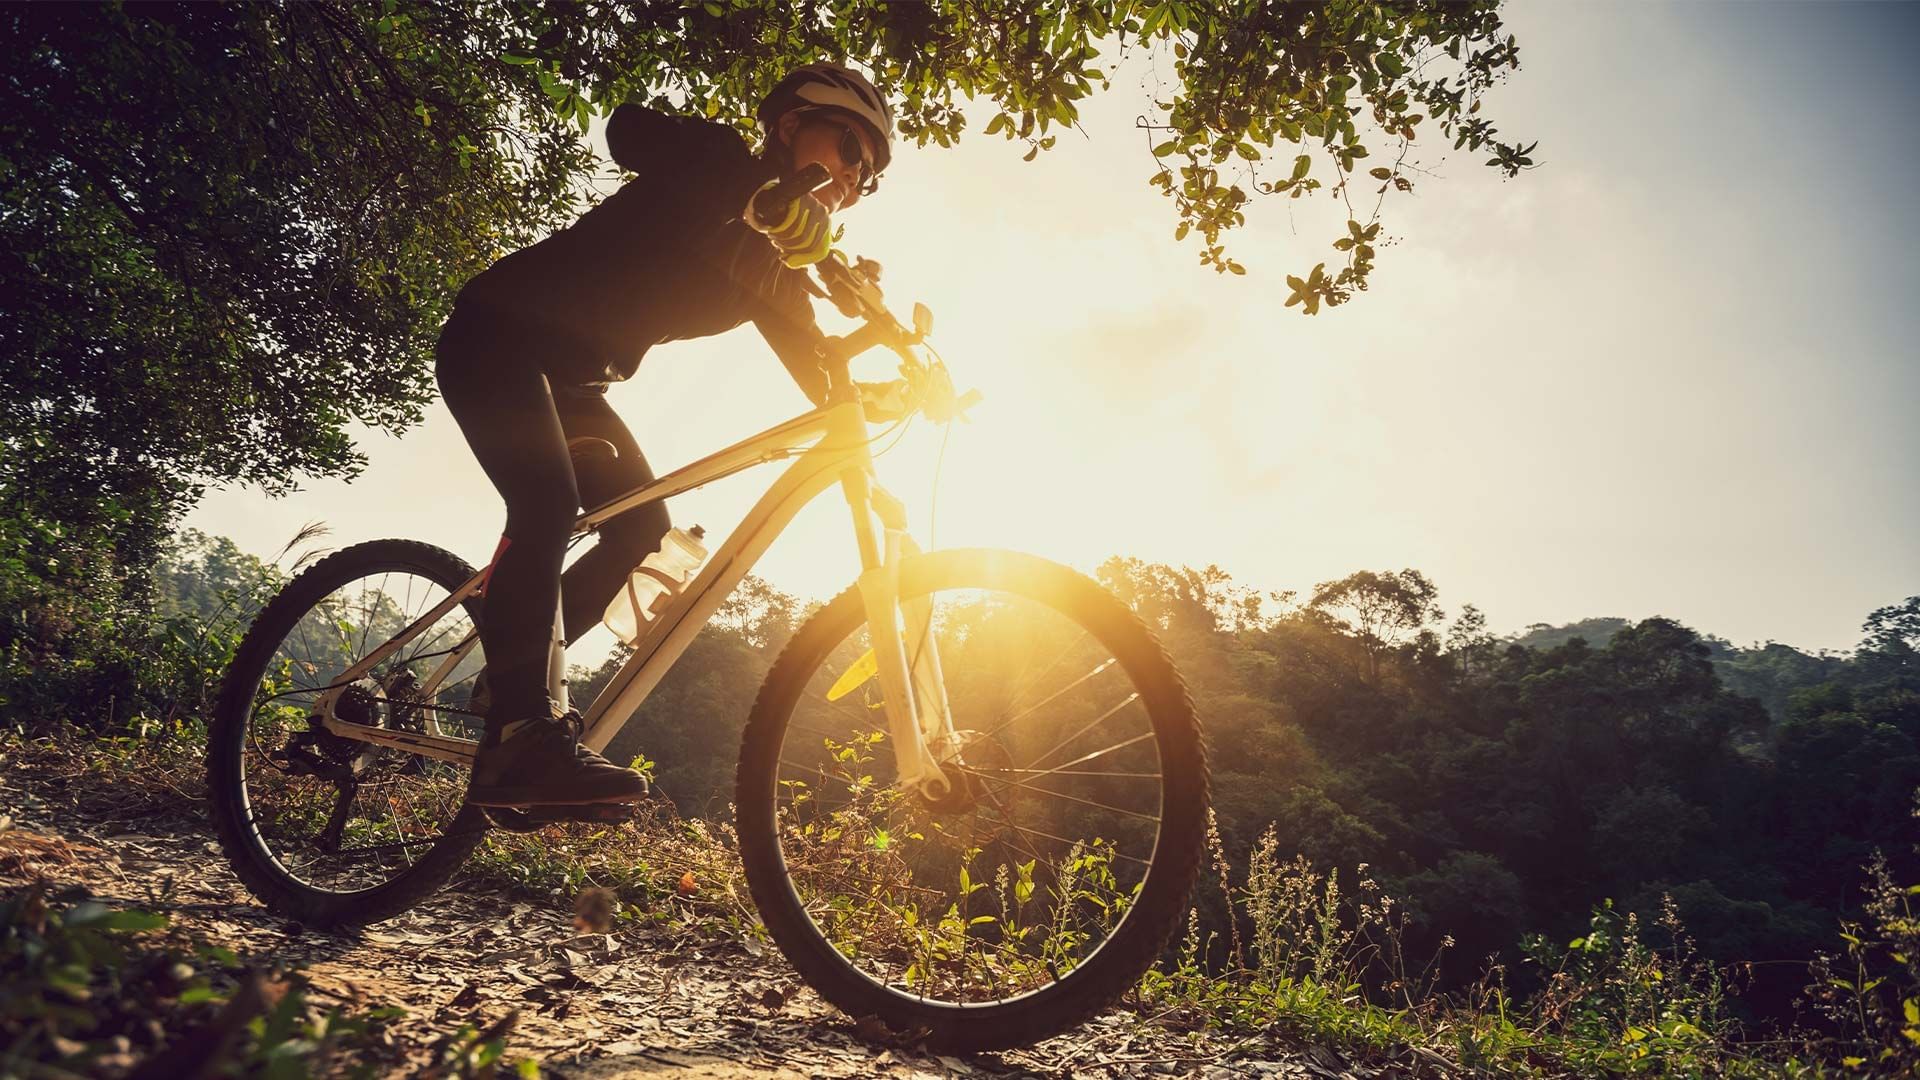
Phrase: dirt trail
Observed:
(632, 1003)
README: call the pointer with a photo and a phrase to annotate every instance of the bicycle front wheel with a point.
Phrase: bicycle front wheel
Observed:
(1054, 874)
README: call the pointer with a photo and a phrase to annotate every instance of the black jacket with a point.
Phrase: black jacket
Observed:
(663, 258)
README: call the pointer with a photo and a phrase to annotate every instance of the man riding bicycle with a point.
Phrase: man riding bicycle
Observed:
(525, 360)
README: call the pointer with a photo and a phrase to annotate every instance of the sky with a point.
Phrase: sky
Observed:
(1672, 371)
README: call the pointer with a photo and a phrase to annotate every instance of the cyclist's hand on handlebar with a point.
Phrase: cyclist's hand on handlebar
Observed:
(884, 402)
(803, 233)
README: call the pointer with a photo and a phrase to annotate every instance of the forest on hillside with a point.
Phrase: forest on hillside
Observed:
(1499, 788)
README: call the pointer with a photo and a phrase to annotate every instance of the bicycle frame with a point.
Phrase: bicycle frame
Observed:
(840, 453)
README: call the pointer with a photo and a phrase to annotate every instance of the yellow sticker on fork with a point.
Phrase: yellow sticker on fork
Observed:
(863, 669)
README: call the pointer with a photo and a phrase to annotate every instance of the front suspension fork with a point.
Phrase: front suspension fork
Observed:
(907, 660)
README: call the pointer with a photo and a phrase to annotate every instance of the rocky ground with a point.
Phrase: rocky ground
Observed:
(637, 1001)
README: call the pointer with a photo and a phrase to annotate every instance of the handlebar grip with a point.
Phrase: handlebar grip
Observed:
(772, 203)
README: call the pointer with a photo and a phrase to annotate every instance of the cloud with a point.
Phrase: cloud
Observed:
(1132, 360)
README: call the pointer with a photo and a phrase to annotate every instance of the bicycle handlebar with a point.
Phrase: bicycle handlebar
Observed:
(855, 290)
(772, 203)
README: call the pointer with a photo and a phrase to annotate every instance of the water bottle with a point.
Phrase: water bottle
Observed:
(653, 583)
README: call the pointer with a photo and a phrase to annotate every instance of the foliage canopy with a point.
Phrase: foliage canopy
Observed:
(230, 232)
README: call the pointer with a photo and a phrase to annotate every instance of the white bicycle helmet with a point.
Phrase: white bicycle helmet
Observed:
(837, 89)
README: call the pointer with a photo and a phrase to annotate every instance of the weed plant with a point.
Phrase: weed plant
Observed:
(87, 990)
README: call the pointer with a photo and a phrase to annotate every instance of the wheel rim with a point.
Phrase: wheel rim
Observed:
(1017, 881)
(378, 811)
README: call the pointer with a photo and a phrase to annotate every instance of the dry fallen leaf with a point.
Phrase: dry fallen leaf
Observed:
(21, 852)
(33, 910)
(593, 910)
(688, 886)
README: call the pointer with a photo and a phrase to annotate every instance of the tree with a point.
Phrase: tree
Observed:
(1893, 627)
(229, 231)
(1382, 610)
(1889, 653)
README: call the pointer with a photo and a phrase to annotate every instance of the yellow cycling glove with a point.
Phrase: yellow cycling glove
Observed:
(803, 235)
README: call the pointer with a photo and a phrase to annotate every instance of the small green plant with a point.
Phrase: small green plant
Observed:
(55, 968)
(1620, 1005)
(91, 991)
(1869, 991)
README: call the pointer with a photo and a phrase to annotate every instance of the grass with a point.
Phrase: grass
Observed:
(1305, 958)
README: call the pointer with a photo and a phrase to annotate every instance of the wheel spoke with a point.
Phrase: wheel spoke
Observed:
(1084, 758)
(1008, 883)
(1065, 772)
(1028, 786)
(1029, 683)
(1091, 724)
(1031, 709)
(1071, 843)
(349, 840)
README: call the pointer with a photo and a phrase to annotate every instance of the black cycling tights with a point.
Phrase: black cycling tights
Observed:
(518, 426)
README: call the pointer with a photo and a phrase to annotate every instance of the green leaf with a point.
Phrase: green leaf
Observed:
(1166, 148)
(95, 916)
(1380, 173)
(1300, 166)
(1155, 19)
(1306, 293)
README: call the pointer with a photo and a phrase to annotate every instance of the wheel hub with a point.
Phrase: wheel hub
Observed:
(961, 758)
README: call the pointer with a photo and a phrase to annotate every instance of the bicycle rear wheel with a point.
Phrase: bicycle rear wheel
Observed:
(337, 831)
(1056, 873)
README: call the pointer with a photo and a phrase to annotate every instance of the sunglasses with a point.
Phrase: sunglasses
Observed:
(852, 149)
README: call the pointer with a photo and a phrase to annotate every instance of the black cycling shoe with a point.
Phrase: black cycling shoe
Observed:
(481, 699)
(539, 762)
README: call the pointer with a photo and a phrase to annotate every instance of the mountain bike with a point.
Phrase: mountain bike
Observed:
(971, 797)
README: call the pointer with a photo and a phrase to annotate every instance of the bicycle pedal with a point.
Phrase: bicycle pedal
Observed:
(533, 818)
(606, 813)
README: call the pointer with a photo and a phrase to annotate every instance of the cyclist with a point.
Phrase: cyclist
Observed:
(525, 360)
